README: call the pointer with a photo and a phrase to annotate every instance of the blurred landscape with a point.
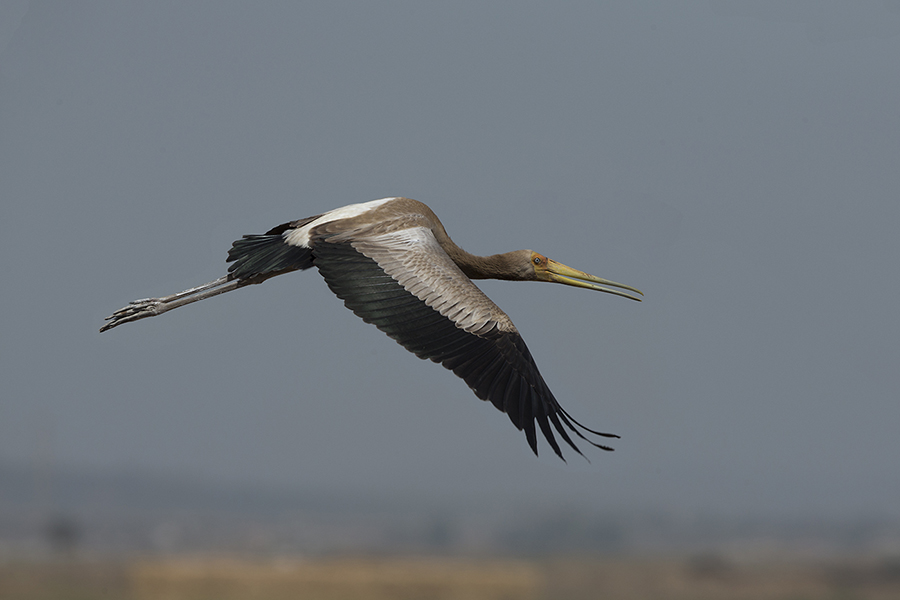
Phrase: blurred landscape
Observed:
(92, 534)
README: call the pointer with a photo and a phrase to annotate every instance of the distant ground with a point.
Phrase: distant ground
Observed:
(129, 515)
(206, 578)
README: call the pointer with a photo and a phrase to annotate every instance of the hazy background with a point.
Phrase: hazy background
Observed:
(737, 161)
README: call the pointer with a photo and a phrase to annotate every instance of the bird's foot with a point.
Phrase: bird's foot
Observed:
(136, 310)
(150, 307)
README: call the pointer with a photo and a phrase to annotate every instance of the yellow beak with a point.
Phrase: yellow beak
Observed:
(560, 273)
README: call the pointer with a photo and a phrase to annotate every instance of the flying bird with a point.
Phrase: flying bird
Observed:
(393, 264)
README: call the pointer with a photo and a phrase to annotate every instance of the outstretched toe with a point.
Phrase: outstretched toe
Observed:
(137, 309)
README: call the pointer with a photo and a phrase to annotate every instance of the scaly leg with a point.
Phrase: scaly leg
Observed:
(150, 307)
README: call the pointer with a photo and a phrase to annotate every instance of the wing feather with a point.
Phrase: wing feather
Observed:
(406, 285)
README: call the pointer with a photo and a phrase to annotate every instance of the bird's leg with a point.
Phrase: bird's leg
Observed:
(150, 307)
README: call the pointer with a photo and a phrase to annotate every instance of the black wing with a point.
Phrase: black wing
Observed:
(481, 345)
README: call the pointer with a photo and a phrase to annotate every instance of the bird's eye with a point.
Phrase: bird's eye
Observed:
(537, 260)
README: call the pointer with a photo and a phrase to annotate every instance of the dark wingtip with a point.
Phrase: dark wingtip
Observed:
(562, 420)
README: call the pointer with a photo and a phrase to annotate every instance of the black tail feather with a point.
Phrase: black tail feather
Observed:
(264, 256)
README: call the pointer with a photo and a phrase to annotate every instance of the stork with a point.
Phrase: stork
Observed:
(393, 264)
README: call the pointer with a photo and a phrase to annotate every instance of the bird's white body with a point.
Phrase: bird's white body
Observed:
(300, 237)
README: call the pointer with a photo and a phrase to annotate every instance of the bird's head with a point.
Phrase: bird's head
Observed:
(546, 269)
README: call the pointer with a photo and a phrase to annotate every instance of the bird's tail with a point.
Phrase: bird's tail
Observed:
(256, 258)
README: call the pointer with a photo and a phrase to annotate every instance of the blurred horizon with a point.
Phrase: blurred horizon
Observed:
(134, 513)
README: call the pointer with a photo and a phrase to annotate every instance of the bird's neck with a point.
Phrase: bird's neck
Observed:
(495, 266)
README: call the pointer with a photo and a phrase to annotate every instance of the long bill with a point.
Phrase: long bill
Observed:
(560, 273)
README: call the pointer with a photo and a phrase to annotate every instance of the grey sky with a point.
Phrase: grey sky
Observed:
(739, 162)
